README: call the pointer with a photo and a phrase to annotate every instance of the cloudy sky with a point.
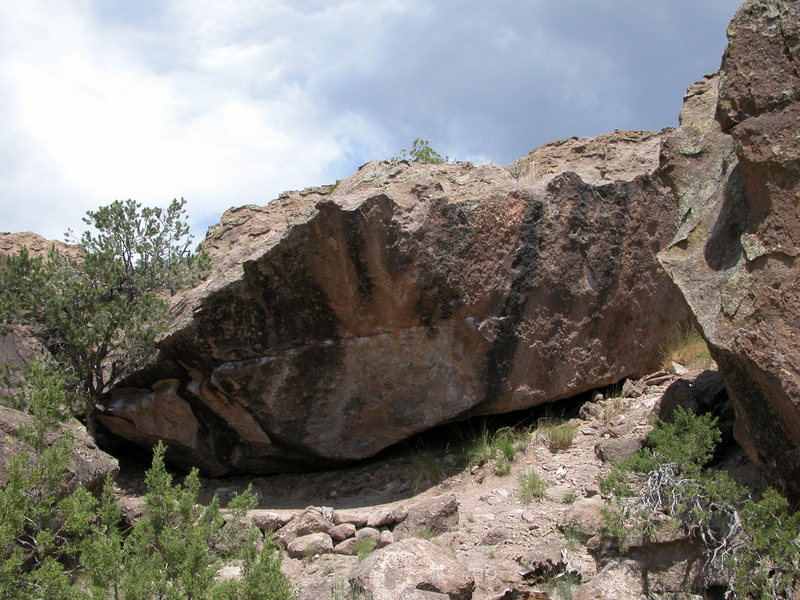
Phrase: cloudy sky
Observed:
(230, 102)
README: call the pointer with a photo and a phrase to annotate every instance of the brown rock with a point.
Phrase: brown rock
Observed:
(590, 411)
(342, 531)
(613, 449)
(431, 516)
(422, 595)
(412, 564)
(381, 516)
(387, 537)
(369, 533)
(335, 325)
(307, 522)
(620, 580)
(309, 545)
(37, 246)
(584, 516)
(703, 394)
(346, 516)
(348, 547)
(88, 466)
(735, 255)
(268, 521)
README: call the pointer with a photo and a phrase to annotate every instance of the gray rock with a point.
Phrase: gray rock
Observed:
(431, 516)
(412, 564)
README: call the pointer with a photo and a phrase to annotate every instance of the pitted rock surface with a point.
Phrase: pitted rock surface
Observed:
(735, 255)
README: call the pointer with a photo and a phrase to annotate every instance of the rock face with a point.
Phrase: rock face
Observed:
(737, 177)
(339, 322)
(38, 246)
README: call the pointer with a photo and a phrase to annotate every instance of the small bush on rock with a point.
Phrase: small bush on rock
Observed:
(753, 543)
(421, 151)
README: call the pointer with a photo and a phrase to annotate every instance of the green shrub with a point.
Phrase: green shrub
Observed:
(425, 468)
(501, 446)
(502, 466)
(531, 486)
(689, 349)
(364, 548)
(754, 544)
(556, 435)
(421, 151)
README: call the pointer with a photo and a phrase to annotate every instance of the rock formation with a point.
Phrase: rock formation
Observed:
(38, 246)
(734, 165)
(340, 321)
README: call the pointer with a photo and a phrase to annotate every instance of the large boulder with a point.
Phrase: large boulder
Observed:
(340, 321)
(737, 177)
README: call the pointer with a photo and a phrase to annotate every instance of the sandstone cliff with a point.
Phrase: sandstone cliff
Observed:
(340, 321)
(735, 168)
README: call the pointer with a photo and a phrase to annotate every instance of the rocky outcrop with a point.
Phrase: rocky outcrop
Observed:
(737, 178)
(37, 246)
(338, 322)
(88, 466)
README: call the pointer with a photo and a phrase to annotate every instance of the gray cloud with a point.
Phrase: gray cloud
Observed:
(229, 103)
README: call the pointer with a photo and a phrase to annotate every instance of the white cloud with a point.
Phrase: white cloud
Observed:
(228, 102)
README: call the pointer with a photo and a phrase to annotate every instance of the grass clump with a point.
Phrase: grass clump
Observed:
(364, 548)
(751, 543)
(569, 498)
(531, 486)
(689, 349)
(425, 467)
(502, 447)
(556, 435)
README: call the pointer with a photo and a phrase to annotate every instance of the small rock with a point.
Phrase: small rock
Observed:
(678, 369)
(387, 537)
(612, 449)
(495, 536)
(309, 545)
(590, 411)
(342, 531)
(412, 564)
(268, 521)
(422, 595)
(435, 515)
(381, 516)
(228, 572)
(346, 516)
(632, 389)
(307, 522)
(617, 581)
(348, 547)
(369, 533)
(585, 516)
